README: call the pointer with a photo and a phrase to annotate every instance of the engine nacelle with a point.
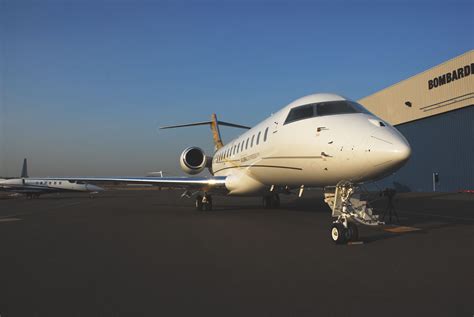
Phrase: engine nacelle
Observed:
(193, 160)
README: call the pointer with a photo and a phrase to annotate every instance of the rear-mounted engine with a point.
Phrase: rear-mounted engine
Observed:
(193, 160)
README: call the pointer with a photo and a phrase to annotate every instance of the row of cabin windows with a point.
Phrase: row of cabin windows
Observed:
(50, 183)
(243, 145)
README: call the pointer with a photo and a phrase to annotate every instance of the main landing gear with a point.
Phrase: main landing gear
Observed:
(271, 201)
(348, 210)
(204, 203)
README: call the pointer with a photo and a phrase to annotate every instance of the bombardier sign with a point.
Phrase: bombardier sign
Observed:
(451, 76)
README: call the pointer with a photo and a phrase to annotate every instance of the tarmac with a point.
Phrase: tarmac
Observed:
(150, 253)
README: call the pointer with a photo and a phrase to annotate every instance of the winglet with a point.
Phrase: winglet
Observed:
(214, 123)
(24, 170)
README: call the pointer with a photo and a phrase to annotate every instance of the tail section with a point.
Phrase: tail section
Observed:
(214, 123)
(216, 134)
(24, 170)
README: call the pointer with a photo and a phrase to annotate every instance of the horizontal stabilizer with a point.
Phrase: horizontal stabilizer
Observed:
(228, 124)
(214, 123)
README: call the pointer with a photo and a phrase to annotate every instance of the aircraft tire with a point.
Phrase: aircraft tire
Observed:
(352, 232)
(209, 199)
(199, 204)
(208, 206)
(267, 202)
(338, 233)
(275, 201)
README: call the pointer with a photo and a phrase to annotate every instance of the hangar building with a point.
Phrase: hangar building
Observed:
(435, 111)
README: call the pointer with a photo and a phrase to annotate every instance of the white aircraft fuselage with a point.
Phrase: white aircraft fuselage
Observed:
(312, 150)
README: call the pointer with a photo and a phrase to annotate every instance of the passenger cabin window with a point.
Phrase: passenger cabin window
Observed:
(247, 143)
(258, 138)
(265, 135)
(242, 146)
(251, 142)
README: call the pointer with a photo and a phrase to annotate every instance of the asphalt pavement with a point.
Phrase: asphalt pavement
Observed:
(149, 253)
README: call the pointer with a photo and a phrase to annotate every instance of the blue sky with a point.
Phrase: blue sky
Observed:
(85, 84)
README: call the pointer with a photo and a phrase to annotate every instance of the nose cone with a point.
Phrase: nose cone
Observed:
(401, 152)
(388, 151)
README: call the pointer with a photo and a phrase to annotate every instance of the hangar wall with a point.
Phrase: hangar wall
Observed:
(442, 144)
(435, 111)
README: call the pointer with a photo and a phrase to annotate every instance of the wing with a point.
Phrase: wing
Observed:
(196, 183)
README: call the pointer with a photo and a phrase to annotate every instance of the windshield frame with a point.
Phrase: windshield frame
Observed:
(355, 108)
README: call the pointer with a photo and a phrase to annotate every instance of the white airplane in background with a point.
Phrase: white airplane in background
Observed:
(321, 140)
(34, 187)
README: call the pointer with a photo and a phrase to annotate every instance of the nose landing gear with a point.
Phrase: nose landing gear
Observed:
(349, 210)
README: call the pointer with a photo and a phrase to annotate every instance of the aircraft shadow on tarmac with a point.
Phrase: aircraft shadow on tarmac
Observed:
(410, 221)
(413, 213)
(308, 205)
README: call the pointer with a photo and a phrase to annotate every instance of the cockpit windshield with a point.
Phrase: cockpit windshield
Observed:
(324, 109)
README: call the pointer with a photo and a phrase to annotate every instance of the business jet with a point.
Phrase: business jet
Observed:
(321, 140)
(34, 187)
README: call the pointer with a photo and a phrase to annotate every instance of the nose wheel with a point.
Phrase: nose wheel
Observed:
(341, 235)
